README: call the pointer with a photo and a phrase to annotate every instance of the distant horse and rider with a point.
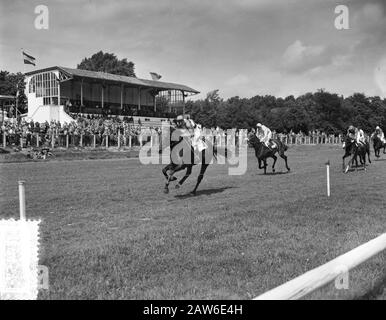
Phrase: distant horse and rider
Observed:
(379, 141)
(266, 147)
(355, 146)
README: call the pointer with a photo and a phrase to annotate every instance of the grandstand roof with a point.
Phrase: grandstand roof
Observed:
(137, 82)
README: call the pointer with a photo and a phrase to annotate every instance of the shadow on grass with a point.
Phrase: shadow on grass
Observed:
(274, 173)
(207, 192)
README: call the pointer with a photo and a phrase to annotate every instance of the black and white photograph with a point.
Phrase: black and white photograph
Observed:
(194, 156)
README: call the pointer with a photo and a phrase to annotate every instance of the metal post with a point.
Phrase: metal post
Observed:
(37, 140)
(107, 141)
(94, 141)
(81, 140)
(328, 177)
(22, 200)
(130, 141)
(67, 138)
(4, 139)
(53, 141)
(119, 138)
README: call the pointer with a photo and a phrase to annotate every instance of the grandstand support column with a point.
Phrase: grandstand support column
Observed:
(59, 93)
(155, 103)
(139, 99)
(121, 96)
(183, 102)
(81, 93)
(102, 102)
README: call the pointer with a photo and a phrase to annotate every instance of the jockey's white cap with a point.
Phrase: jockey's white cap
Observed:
(258, 125)
(180, 118)
(377, 128)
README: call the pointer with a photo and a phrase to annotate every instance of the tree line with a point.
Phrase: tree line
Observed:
(322, 110)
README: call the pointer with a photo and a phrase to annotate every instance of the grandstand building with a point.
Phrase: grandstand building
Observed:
(56, 93)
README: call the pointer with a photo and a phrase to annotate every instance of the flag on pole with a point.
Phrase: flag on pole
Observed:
(155, 76)
(28, 59)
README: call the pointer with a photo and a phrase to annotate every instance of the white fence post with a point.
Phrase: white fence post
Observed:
(22, 200)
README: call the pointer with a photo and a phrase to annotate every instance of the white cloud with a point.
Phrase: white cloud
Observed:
(237, 80)
(299, 58)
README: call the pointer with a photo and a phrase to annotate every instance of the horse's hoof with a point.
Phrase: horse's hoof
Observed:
(166, 190)
(345, 171)
(193, 193)
(173, 179)
(177, 186)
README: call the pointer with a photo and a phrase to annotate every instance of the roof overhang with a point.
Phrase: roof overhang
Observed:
(117, 79)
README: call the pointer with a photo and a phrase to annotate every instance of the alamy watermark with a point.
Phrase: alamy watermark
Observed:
(227, 147)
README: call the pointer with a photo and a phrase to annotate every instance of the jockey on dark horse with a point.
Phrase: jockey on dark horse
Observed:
(266, 147)
(355, 145)
(379, 141)
(189, 136)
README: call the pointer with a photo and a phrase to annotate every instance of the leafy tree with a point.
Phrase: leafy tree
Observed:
(10, 83)
(108, 62)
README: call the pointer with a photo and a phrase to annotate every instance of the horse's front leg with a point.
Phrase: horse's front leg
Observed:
(166, 169)
(344, 162)
(166, 188)
(265, 166)
(173, 170)
(186, 176)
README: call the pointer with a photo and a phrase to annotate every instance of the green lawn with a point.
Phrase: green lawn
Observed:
(109, 232)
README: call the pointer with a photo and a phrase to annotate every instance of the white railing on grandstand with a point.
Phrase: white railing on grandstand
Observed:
(318, 277)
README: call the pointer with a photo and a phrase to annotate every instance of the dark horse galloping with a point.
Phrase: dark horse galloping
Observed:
(378, 145)
(355, 151)
(262, 152)
(206, 159)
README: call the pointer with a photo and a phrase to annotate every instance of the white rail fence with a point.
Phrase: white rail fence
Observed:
(129, 141)
(318, 277)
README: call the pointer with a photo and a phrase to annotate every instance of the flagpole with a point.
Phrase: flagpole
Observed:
(22, 59)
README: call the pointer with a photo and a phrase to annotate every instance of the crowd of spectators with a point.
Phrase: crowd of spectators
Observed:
(84, 128)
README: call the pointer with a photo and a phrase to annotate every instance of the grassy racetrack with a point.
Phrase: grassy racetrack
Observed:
(109, 232)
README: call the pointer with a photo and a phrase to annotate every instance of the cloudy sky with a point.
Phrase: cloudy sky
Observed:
(242, 47)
